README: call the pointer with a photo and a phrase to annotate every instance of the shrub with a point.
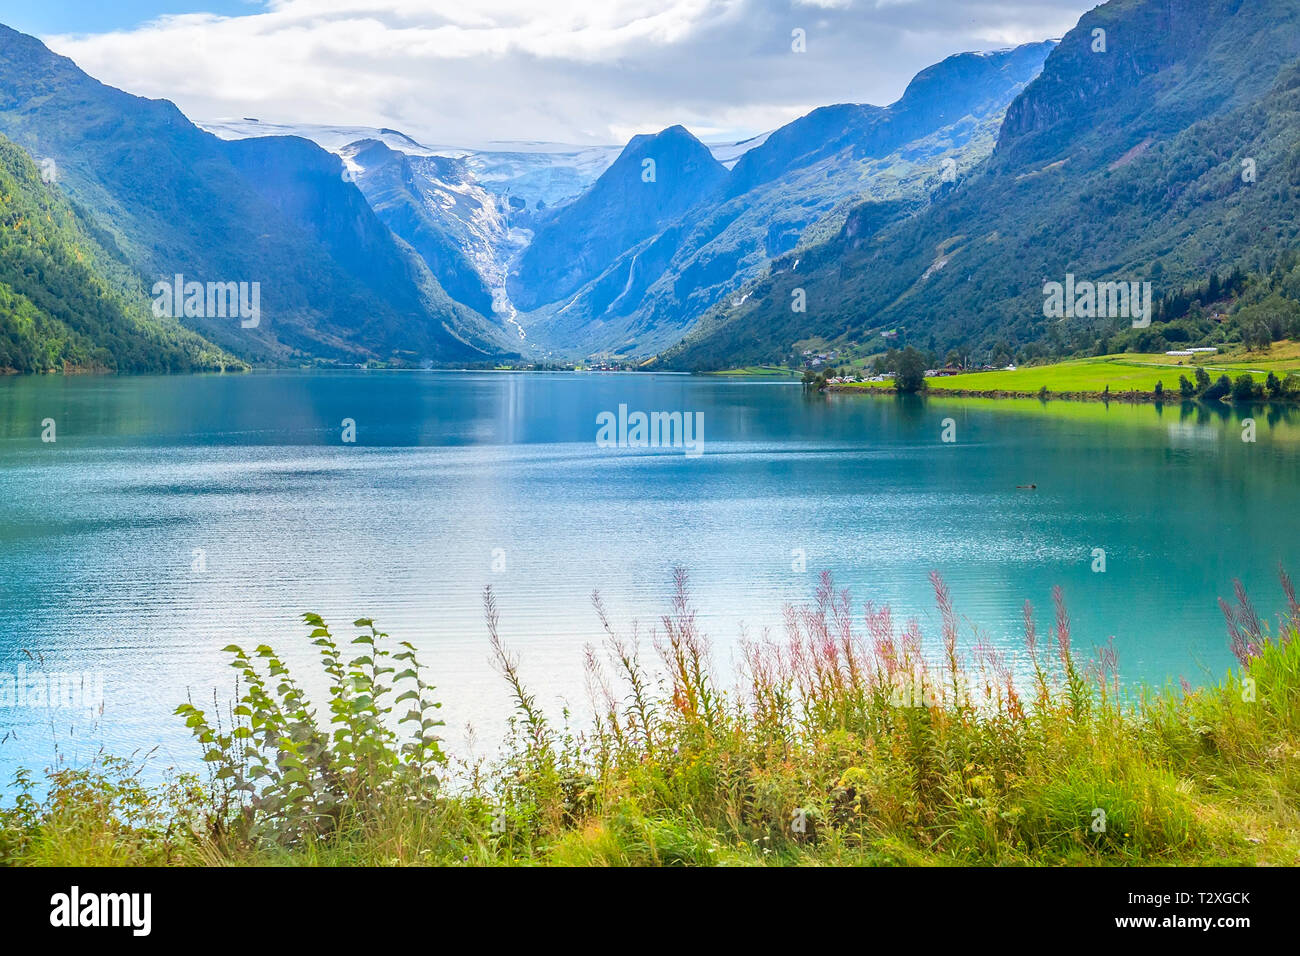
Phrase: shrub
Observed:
(843, 741)
(1219, 390)
(282, 776)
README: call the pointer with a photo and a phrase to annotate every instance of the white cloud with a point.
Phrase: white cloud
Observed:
(468, 71)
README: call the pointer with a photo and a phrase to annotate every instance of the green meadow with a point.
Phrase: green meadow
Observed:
(1128, 372)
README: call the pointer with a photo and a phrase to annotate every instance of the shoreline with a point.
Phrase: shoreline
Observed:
(1129, 397)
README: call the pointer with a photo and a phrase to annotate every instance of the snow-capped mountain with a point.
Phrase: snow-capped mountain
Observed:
(541, 174)
(468, 210)
(436, 204)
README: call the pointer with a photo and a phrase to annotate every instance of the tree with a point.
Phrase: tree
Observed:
(1202, 381)
(1160, 390)
(1220, 389)
(909, 375)
(1185, 387)
(1273, 385)
(1257, 336)
(1243, 389)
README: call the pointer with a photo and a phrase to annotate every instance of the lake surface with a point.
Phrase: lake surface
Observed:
(460, 480)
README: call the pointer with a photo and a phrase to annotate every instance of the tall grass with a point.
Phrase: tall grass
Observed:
(847, 737)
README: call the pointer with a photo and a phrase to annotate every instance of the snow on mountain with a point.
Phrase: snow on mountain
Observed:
(541, 174)
(728, 153)
(469, 211)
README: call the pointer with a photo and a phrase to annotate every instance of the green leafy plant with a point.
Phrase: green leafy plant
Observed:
(282, 775)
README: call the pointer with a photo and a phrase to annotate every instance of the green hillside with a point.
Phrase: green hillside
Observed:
(335, 283)
(1124, 165)
(794, 189)
(65, 301)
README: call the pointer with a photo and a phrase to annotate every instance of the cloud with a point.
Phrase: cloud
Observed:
(586, 71)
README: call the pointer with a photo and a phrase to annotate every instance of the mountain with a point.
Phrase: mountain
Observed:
(1128, 163)
(654, 182)
(308, 188)
(536, 174)
(334, 281)
(961, 89)
(790, 189)
(66, 300)
(468, 212)
(434, 204)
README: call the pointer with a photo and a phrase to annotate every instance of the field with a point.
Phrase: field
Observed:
(1128, 372)
(758, 371)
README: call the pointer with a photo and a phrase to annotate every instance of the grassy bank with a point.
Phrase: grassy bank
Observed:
(840, 743)
(1127, 375)
(756, 371)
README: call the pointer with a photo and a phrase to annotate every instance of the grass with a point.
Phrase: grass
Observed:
(1127, 372)
(840, 743)
(757, 371)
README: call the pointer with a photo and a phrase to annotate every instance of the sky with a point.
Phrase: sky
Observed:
(469, 72)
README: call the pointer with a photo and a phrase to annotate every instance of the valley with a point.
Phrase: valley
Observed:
(572, 250)
(931, 222)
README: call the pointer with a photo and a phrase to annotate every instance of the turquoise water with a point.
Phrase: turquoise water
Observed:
(460, 480)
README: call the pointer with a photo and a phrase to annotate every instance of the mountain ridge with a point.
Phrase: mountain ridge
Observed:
(787, 189)
(68, 301)
(1133, 171)
(176, 200)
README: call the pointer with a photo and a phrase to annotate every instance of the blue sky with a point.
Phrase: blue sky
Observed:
(40, 17)
(466, 72)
